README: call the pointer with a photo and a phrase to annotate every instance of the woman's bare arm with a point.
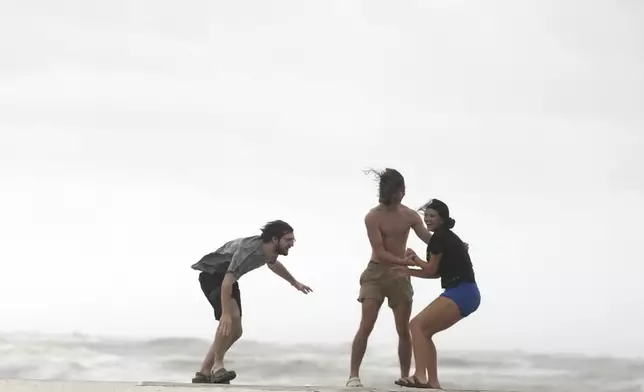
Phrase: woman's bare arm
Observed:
(419, 273)
(429, 268)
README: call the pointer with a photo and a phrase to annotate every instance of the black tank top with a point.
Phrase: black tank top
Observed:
(455, 264)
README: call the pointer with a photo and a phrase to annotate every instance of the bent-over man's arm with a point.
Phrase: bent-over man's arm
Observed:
(227, 292)
(281, 271)
(377, 243)
(232, 275)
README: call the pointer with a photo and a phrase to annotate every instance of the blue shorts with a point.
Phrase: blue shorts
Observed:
(466, 296)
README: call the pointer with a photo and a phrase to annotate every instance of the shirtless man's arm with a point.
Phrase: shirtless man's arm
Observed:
(419, 227)
(377, 243)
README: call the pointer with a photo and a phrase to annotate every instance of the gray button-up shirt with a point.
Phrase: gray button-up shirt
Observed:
(238, 256)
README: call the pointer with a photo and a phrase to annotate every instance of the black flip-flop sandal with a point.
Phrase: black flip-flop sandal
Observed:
(412, 382)
(200, 378)
(223, 376)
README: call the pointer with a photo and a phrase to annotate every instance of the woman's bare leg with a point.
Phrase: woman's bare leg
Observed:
(421, 350)
(441, 314)
(432, 364)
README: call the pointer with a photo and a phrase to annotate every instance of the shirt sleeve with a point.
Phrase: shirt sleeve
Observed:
(237, 263)
(436, 244)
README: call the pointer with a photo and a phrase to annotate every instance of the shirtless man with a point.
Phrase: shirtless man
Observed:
(388, 225)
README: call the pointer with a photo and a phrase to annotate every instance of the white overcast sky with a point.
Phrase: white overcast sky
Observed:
(137, 136)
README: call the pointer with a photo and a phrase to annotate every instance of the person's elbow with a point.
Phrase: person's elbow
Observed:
(430, 268)
(423, 234)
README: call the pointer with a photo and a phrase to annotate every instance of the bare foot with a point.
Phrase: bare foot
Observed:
(433, 384)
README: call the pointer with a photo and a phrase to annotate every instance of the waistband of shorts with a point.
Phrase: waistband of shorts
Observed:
(458, 282)
(379, 265)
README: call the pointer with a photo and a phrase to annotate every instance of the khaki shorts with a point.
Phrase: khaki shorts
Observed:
(377, 282)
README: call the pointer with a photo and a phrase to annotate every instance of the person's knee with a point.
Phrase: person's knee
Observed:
(402, 312)
(404, 334)
(402, 328)
(416, 326)
(366, 327)
(414, 323)
(370, 309)
(423, 327)
(238, 330)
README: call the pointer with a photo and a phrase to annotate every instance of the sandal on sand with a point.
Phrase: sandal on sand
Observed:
(412, 382)
(201, 378)
(354, 382)
(222, 376)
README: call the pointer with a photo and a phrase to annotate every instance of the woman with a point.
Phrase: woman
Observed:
(447, 259)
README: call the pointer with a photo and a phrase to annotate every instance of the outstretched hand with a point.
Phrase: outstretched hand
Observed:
(302, 287)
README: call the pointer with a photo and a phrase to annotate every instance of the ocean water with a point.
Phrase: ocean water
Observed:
(80, 357)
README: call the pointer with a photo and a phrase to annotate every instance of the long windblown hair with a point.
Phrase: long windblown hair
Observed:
(390, 184)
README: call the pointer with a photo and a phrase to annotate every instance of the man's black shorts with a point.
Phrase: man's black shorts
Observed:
(211, 287)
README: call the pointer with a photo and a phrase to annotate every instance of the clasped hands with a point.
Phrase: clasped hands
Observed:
(411, 260)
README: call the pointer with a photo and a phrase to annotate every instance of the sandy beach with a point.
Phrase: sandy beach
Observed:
(18, 385)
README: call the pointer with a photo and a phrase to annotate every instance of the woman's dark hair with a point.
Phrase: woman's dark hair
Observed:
(450, 222)
(441, 209)
(390, 182)
(275, 229)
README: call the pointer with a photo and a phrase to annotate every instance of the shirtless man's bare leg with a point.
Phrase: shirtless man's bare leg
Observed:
(370, 309)
(402, 313)
(388, 226)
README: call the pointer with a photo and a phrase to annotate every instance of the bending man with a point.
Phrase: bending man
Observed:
(220, 272)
